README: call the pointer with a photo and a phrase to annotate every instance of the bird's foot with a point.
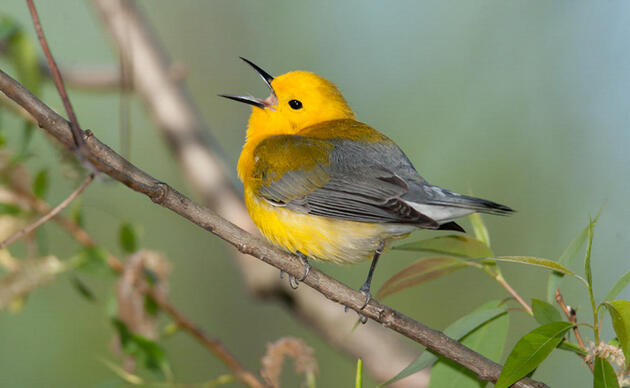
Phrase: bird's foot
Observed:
(365, 290)
(293, 281)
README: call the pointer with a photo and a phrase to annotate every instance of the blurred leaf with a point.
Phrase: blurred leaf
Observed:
(76, 212)
(149, 352)
(358, 380)
(567, 257)
(620, 314)
(618, 287)
(456, 330)
(93, 260)
(127, 238)
(530, 351)
(23, 54)
(604, 375)
(150, 306)
(568, 346)
(487, 339)
(418, 272)
(544, 312)
(479, 228)
(9, 209)
(462, 246)
(40, 184)
(82, 289)
(8, 27)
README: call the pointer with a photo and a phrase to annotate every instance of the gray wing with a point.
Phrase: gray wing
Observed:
(354, 183)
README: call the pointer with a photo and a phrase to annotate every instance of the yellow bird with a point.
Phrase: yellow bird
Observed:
(323, 185)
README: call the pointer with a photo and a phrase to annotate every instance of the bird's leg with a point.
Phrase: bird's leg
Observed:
(293, 282)
(365, 288)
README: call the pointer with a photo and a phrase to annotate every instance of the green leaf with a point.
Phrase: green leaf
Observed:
(604, 375)
(8, 27)
(544, 312)
(127, 238)
(420, 271)
(456, 330)
(488, 340)
(82, 289)
(358, 380)
(620, 314)
(92, 260)
(618, 287)
(9, 209)
(530, 351)
(587, 261)
(23, 53)
(479, 228)
(40, 184)
(569, 347)
(567, 257)
(462, 246)
(150, 306)
(536, 261)
(149, 352)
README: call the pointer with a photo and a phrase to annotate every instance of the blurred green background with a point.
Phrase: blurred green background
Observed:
(525, 103)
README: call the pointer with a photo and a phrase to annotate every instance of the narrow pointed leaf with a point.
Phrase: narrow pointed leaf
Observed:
(462, 246)
(620, 314)
(456, 330)
(128, 238)
(479, 228)
(40, 184)
(419, 272)
(604, 375)
(569, 347)
(567, 258)
(530, 351)
(618, 287)
(538, 262)
(544, 312)
(587, 261)
(488, 340)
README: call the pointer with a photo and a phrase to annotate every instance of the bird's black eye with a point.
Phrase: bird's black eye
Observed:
(295, 104)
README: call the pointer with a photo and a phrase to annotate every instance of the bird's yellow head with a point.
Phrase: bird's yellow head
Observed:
(298, 100)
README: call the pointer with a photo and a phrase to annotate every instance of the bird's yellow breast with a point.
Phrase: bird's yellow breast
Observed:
(320, 238)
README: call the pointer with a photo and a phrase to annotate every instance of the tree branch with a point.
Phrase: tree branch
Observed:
(109, 162)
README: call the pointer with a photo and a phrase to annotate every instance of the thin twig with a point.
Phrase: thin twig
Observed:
(109, 162)
(29, 229)
(571, 316)
(56, 75)
(515, 294)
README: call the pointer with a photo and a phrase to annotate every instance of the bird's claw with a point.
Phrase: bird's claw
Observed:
(293, 282)
(307, 269)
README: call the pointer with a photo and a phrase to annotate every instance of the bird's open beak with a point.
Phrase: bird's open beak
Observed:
(258, 102)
